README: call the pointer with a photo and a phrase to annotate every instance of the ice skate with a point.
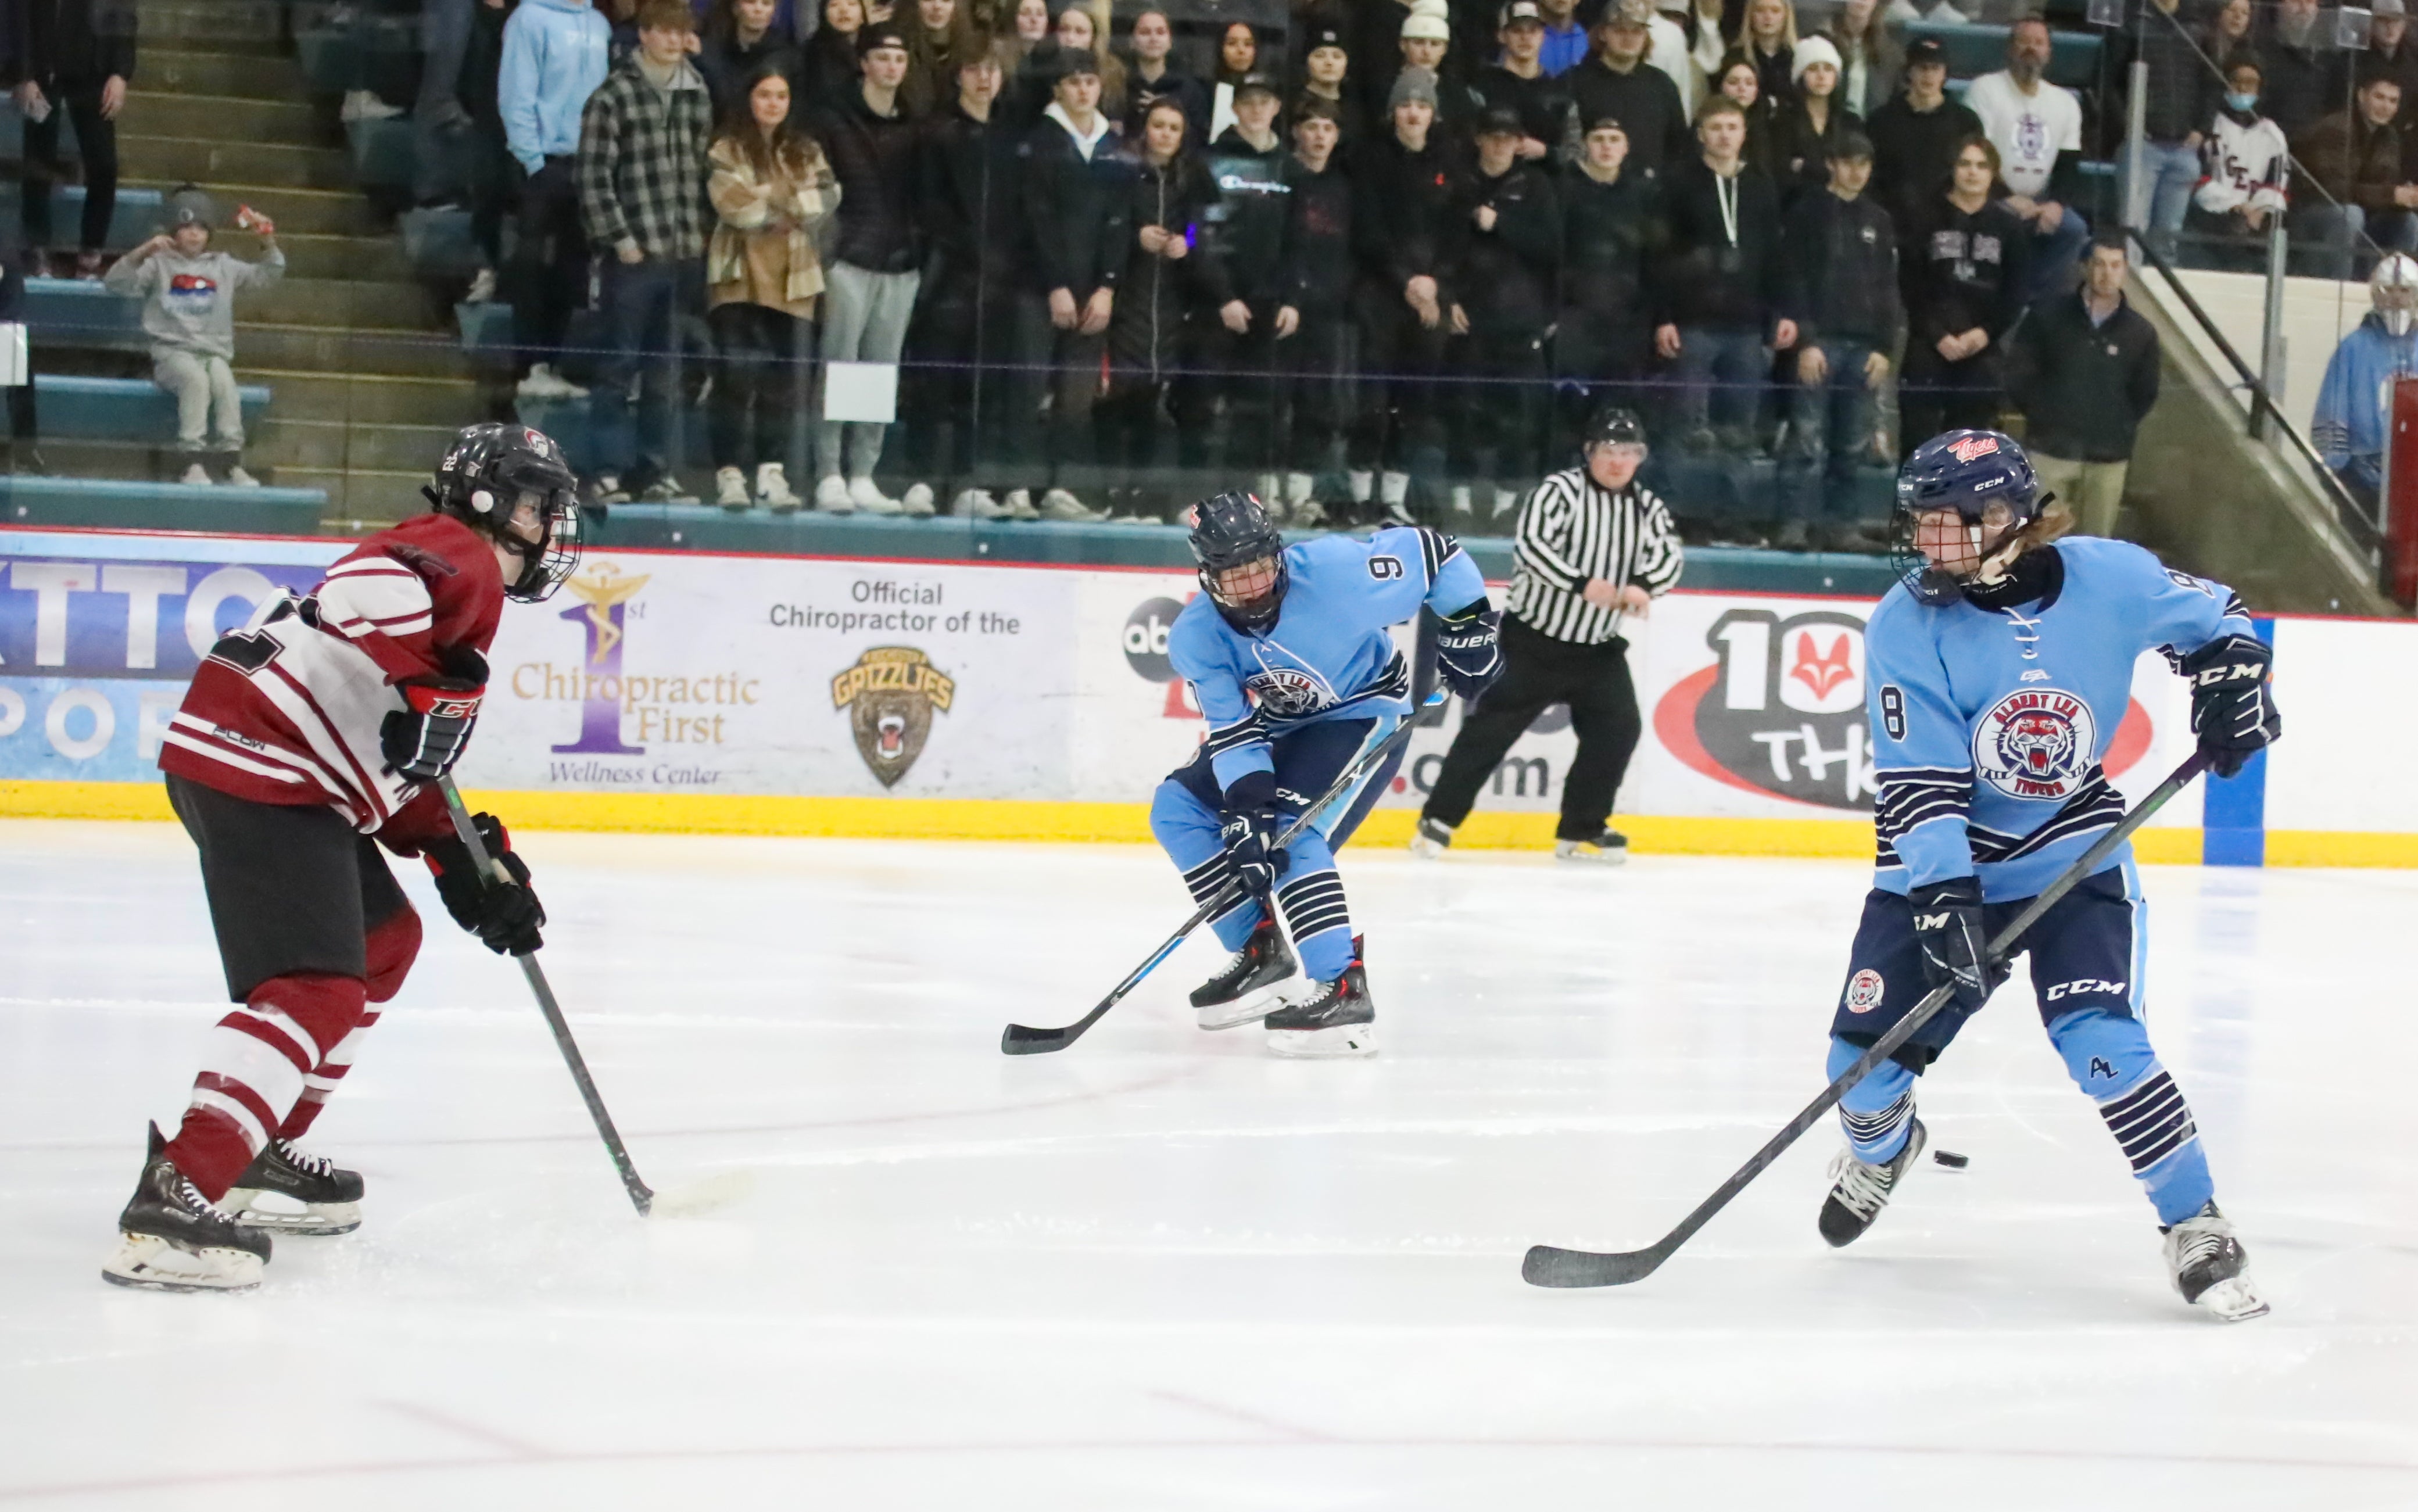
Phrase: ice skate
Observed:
(1609, 848)
(1336, 1021)
(2209, 1268)
(292, 1192)
(1432, 839)
(1858, 1190)
(1241, 991)
(171, 1239)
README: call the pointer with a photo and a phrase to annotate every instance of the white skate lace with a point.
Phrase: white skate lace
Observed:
(202, 1207)
(1861, 1188)
(2198, 1242)
(303, 1161)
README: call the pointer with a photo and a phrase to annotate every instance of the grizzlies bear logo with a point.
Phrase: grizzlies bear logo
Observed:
(890, 695)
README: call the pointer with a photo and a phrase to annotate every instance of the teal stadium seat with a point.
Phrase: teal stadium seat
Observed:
(114, 504)
(134, 220)
(81, 312)
(120, 409)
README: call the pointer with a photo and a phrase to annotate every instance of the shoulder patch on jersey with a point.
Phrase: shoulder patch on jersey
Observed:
(2036, 743)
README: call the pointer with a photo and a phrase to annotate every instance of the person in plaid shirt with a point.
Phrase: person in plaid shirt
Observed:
(641, 171)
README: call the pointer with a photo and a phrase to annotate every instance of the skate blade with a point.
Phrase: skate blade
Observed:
(1592, 857)
(1243, 1010)
(303, 1219)
(1338, 1043)
(2232, 1300)
(154, 1265)
(1427, 849)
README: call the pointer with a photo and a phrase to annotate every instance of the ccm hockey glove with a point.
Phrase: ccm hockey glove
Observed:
(424, 739)
(1467, 653)
(1948, 926)
(1250, 829)
(504, 914)
(2233, 708)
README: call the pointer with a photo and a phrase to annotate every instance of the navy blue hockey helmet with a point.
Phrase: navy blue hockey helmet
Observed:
(1969, 472)
(1232, 538)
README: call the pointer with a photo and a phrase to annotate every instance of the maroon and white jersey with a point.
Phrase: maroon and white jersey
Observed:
(2242, 163)
(287, 709)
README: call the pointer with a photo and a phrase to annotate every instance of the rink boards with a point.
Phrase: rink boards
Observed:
(683, 691)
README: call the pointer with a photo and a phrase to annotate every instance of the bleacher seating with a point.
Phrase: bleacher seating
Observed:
(119, 409)
(82, 312)
(116, 504)
(134, 220)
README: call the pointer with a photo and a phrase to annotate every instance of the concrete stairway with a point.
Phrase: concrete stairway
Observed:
(368, 378)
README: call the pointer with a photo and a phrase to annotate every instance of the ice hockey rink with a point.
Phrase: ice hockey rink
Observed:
(1163, 1270)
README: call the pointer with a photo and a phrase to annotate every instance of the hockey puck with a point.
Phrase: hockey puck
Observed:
(1951, 1159)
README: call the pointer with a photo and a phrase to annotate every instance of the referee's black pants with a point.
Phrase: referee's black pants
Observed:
(1539, 671)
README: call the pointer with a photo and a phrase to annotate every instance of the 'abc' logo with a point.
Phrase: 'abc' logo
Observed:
(1145, 639)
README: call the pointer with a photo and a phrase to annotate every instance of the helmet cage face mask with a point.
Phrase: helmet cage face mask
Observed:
(1965, 475)
(1240, 560)
(2393, 289)
(1248, 592)
(504, 483)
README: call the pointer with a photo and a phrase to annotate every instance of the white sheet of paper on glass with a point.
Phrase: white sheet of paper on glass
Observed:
(865, 392)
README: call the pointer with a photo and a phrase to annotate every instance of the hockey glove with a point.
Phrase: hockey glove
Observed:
(1250, 829)
(2233, 708)
(1467, 651)
(1948, 926)
(424, 739)
(504, 914)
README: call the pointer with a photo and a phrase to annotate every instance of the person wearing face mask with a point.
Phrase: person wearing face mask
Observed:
(2246, 164)
(2354, 403)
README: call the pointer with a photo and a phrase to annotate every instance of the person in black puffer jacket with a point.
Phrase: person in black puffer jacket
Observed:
(876, 267)
(1840, 285)
(963, 430)
(1172, 279)
(1508, 281)
(1077, 199)
(1237, 347)
(1610, 225)
(1313, 324)
(1409, 243)
(1963, 265)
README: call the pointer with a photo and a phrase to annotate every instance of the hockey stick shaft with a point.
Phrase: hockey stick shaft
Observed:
(1546, 1265)
(641, 1196)
(1016, 1039)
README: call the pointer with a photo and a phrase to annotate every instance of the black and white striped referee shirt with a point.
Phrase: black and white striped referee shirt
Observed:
(1573, 528)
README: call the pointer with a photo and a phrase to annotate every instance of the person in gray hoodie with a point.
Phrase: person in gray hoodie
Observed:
(188, 293)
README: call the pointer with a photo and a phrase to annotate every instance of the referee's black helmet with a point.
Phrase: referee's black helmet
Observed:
(1613, 425)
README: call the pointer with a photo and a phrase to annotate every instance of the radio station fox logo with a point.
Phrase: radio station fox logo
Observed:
(890, 694)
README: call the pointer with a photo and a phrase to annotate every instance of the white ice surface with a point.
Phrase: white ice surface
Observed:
(1163, 1270)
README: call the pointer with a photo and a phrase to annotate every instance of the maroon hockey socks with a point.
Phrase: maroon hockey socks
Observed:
(254, 1067)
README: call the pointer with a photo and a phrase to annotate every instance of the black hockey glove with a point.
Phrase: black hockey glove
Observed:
(1948, 926)
(505, 914)
(1250, 829)
(424, 739)
(1467, 651)
(2233, 708)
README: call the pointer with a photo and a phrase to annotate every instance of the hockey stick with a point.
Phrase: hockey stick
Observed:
(1549, 1266)
(641, 1196)
(1020, 1040)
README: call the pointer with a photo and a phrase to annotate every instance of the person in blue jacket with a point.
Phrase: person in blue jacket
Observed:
(1288, 653)
(2354, 407)
(1998, 669)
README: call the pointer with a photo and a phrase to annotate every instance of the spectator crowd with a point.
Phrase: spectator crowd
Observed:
(975, 256)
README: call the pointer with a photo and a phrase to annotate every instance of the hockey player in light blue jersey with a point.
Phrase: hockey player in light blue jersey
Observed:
(1288, 652)
(1999, 668)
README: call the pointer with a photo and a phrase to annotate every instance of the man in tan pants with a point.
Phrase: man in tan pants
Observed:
(2083, 368)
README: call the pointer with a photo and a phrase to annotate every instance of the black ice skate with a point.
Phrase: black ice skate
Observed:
(1339, 1019)
(1432, 838)
(2208, 1267)
(1239, 994)
(1609, 848)
(290, 1192)
(171, 1239)
(1858, 1190)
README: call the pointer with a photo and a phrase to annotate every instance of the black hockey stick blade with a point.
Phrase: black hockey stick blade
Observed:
(1019, 1039)
(1546, 1265)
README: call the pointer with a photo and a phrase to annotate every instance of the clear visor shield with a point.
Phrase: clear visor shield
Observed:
(1247, 586)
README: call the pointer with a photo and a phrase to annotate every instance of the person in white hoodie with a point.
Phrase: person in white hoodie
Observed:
(2245, 163)
(188, 293)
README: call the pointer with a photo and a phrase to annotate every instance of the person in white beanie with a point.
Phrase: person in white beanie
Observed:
(1807, 127)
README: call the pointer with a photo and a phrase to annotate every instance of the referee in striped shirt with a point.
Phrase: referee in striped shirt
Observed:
(1592, 547)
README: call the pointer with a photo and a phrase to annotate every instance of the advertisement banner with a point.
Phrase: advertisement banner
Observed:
(658, 673)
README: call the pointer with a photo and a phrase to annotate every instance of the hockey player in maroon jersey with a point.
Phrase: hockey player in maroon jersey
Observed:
(309, 738)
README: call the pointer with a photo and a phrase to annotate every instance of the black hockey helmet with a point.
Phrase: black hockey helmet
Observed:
(1231, 532)
(1969, 472)
(1613, 425)
(488, 474)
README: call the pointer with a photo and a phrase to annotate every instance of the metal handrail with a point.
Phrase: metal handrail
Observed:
(2264, 405)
